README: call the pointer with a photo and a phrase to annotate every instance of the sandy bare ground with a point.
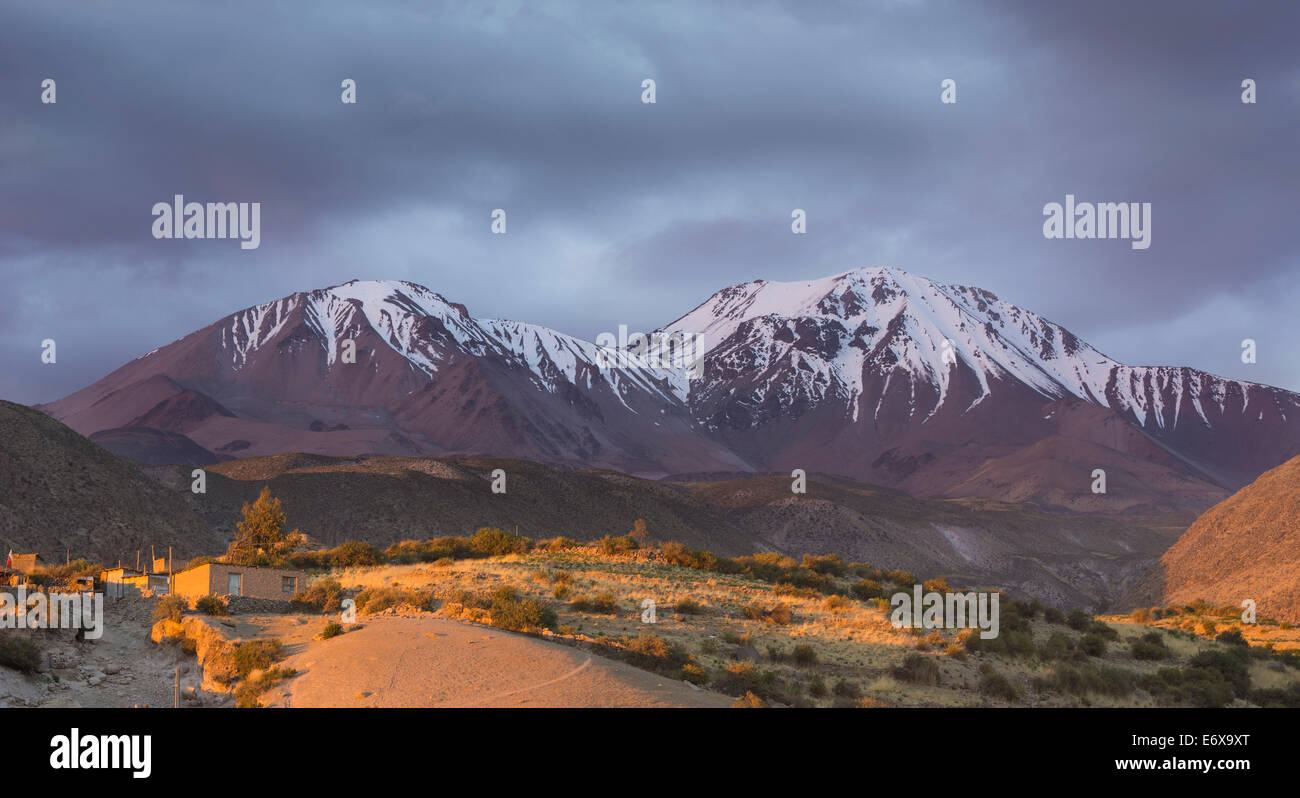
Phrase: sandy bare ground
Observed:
(421, 661)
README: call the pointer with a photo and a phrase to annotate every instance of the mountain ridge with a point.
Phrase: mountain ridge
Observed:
(872, 374)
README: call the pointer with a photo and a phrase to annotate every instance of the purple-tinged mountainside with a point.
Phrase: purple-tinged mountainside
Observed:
(873, 374)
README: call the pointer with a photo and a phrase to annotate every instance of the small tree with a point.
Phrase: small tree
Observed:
(640, 532)
(261, 533)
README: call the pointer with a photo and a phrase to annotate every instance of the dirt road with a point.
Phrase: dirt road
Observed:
(396, 661)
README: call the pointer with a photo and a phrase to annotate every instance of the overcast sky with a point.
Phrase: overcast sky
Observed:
(621, 212)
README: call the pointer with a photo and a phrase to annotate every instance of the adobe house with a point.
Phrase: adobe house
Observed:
(224, 579)
(120, 582)
(26, 563)
(158, 583)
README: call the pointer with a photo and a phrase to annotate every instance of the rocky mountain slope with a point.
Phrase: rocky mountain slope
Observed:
(1245, 547)
(60, 492)
(874, 374)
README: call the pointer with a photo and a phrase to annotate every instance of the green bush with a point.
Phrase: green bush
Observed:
(687, 606)
(211, 605)
(508, 611)
(918, 669)
(804, 654)
(1086, 679)
(1059, 646)
(1149, 649)
(996, 685)
(868, 589)
(603, 603)
(248, 693)
(354, 553)
(170, 607)
(374, 600)
(1013, 643)
(1093, 644)
(256, 655)
(332, 629)
(778, 615)
(618, 545)
(492, 542)
(325, 595)
(1233, 637)
(1078, 620)
(19, 652)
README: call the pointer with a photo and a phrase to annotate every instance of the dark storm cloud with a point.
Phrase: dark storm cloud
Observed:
(624, 213)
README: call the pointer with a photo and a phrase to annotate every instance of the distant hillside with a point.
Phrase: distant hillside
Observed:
(59, 491)
(1246, 547)
(1065, 559)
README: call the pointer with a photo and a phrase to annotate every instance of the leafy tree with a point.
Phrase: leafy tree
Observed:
(640, 532)
(261, 539)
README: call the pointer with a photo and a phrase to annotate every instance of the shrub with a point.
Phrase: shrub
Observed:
(1149, 647)
(739, 678)
(837, 603)
(256, 655)
(19, 652)
(354, 553)
(170, 607)
(603, 603)
(778, 615)
(374, 600)
(918, 669)
(1140, 615)
(617, 545)
(1233, 637)
(1013, 643)
(332, 629)
(1231, 663)
(1087, 679)
(1078, 620)
(694, 674)
(492, 542)
(828, 564)
(325, 595)
(749, 701)
(1105, 630)
(508, 611)
(868, 589)
(1093, 644)
(248, 693)
(653, 653)
(687, 606)
(1053, 615)
(996, 685)
(1204, 685)
(211, 605)
(1059, 646)
(804, 654)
